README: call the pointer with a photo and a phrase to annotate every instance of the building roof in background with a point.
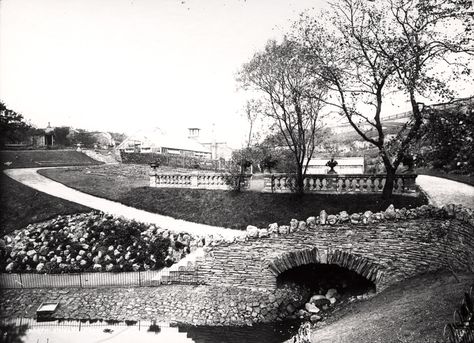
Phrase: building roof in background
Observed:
(156, 137)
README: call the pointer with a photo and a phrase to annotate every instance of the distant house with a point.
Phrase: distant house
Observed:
(43, 137)
(219, 150)
(157, 141)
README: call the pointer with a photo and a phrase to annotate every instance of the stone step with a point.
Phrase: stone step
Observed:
(180, 271)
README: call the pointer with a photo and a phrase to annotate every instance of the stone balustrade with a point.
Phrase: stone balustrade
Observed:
(195, 180)
(338, 183)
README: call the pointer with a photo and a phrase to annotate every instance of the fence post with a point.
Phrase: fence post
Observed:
(139, 279)
(80, 280)
(21, 281)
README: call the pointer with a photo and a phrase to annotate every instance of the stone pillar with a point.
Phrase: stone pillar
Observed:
(194, 179)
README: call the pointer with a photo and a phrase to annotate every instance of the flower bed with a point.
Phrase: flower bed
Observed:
(91, 241)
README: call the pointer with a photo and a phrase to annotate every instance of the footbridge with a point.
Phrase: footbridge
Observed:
(384, 247)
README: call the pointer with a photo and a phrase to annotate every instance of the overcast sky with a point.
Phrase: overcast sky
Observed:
(124, 65)
(121, 65)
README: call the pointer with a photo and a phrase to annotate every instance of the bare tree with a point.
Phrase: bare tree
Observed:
(366, 51)
(291, 98)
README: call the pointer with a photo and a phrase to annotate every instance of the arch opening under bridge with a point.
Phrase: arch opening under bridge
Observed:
(319, 270)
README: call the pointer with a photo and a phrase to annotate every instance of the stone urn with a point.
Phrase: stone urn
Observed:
(331, 164)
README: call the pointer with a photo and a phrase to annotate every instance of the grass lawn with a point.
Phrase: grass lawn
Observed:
(43, 158)
(219, 208)
(413, 311)
(21, 205)
(467, 179)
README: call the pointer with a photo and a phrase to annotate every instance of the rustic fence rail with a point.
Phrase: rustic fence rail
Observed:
(461, 330)
(92, 280)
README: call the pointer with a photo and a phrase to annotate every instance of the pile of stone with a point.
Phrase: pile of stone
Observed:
(365, 218)
(318, 305)
(92, 242)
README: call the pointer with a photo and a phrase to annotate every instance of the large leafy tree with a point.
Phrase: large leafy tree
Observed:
(13, 127)
(448, 139)
(366, 51)
(291, 98)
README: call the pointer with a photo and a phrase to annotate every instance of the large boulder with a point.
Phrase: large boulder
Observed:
(10, 267)
(390, 213)
(311, 308)
(344, 217)
(252, 231)
(316, 297)
(332, 292)
(332, 219)
(311, 222)
(273, 228)
(323, 216)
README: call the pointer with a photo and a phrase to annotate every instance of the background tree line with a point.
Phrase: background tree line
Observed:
(15, 129)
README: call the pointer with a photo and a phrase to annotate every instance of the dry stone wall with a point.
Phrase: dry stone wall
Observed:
(384, 247)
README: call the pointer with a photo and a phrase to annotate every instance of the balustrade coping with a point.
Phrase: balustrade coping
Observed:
(341, 175)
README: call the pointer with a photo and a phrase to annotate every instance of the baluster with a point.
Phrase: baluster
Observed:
(324, 184)
(382, 183)
(311, 184)
(340, 183)
(368, 184)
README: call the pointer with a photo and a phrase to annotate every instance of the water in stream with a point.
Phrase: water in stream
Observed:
(72, 331)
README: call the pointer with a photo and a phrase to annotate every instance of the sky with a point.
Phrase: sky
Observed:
(124, 65)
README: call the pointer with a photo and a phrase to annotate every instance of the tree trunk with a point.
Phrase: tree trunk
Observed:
(299, 186)
(389, 181)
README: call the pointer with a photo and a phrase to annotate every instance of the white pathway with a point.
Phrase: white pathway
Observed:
(443, 191)
(30, 177)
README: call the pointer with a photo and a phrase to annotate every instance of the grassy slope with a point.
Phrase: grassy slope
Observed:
(43, 158)
(220, 208)
(413, 311)
(21, 205)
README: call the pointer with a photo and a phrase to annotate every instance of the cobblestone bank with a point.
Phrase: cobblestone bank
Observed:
(198, 305)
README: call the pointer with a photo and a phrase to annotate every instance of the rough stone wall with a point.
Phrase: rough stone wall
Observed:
(198, 305)
(384, 252)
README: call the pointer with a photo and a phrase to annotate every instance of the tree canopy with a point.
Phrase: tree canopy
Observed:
(13, 127)
(291, 97)
(366, 51)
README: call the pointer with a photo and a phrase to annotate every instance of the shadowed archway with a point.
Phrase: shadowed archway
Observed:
(360, 265)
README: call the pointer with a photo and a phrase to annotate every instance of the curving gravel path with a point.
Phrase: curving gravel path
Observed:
(440, 192)
(443, 191)
(30, 178)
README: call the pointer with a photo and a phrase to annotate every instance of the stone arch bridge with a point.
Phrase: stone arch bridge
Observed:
(384, 248)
